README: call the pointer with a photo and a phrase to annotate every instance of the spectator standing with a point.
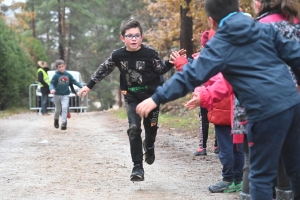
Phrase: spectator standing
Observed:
(43, 81)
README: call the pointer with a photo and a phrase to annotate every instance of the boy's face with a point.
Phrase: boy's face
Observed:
(132, 39)
(44, 64)
(61, 68)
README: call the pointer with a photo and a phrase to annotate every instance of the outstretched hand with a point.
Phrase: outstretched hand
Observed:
(83, 91)
(176, 54)
(194, 102)
(145, 107)
(182, 52)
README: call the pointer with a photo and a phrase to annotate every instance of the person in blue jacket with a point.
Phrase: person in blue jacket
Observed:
(252, 57)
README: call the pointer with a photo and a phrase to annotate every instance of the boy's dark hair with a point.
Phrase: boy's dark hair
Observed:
(218, 9)
(130, 24)
(59, 62)
(287, 8)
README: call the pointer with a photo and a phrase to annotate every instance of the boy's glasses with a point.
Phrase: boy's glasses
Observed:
(131, 36)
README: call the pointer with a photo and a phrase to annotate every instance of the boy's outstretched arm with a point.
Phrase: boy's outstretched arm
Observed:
(103, 70)
(181, 83)
(145, 107)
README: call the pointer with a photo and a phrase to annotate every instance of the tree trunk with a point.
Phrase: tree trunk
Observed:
(60, 42)
(33, 21)
(186, 30)
(69, 44)
(63, 20)
(68, 56)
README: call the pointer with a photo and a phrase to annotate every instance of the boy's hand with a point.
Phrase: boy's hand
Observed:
(176, 54)
(173, 56)
(145, 107)
(83, 91)
(194, 102)
(52, 92)
(182, 52)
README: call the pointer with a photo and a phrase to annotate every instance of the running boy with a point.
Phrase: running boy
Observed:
(59, 86)
(140, 70)
(251, 57)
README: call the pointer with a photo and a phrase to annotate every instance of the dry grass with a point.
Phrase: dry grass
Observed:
(12, 111)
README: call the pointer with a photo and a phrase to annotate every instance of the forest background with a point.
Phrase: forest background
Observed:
(84, 33)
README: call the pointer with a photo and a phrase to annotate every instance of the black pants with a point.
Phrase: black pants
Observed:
(135, 139)
(204, 126)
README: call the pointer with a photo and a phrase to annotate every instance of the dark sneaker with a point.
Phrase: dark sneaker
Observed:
(149, 154)
(56, 125)
(137, 173)
(222, 186)
(200, 152)
(63, 126)
(216, 150)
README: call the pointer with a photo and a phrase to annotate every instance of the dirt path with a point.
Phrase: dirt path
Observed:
(91, 160)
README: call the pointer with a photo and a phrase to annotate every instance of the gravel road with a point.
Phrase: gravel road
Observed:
(91, 160)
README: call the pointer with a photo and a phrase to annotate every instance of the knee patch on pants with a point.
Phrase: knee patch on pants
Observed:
(133, 132)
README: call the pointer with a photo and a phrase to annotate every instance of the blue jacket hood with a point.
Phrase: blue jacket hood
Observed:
(242, 30)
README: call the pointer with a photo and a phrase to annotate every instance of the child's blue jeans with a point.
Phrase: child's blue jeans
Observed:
(231, 155)
(267, 139)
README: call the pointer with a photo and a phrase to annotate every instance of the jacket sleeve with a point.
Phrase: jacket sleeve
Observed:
(103, 70)
(73, 81)
(191, 76)
(288, 51)
(213, 79)
(215, 92)
(53, 83)
(72, 88)
(181, 61)
(161, 66)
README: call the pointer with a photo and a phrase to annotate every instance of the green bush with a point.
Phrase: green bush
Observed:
(17, 67)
